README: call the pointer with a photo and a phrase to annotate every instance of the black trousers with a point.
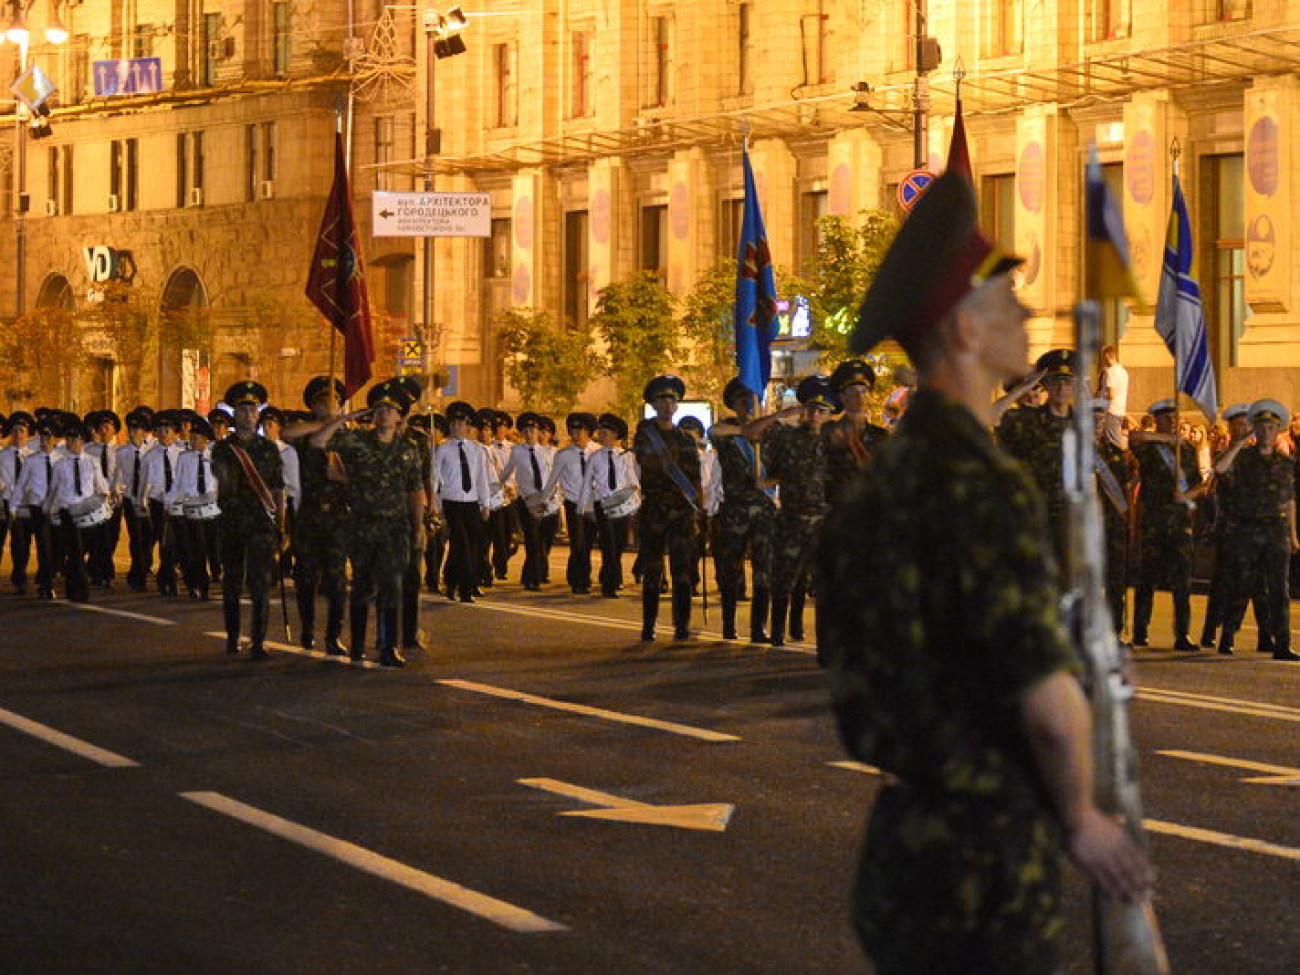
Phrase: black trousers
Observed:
(535, 550)
(465, 539)
(613, 540)
(168, 532)
(74, 546)
(581, 539)
(200, 540)
(21, 534)
(139, 532)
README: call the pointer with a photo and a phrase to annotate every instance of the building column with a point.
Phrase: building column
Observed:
(854, 161)
(775, 171)
(1039, 161)
(605, 181)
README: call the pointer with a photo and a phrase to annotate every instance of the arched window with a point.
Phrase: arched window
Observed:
(55, 292)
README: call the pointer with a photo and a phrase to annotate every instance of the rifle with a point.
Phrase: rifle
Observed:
(1127, 937)
(279, 574)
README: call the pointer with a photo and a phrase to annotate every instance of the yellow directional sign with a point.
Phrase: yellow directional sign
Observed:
(412, 349)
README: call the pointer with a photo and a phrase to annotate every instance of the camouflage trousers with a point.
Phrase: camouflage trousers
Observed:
(380, 550)
(794, 541)
(1117, 568)
(320, 551)
(667, 529)
(954, 883)
(740, 530)
(1166, 564)
(1254, 560)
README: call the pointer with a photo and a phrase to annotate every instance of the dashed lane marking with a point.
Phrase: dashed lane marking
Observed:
(499, 912)
(58, 739)
(1215, 838)
(124, 613)
(677, 729)
(1276, 712)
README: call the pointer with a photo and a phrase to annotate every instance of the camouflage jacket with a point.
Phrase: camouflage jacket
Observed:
(796, 459)
(738, 461)
(843, 458)
(658, 489)
(381, 476)
(321, 497)
(1257, 488)
(1032, 435)
(235, 495)
(1156, 473)
(937, 606)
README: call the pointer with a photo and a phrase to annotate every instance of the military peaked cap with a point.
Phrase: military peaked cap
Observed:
(1236, 410)
(390, 392)
(319, 386)
(817, 391)
(413, 387)
(1058, 362)
(273, 414)
(692, 423)
(1162, 406)
(21, 417)
(528, 419)
(585, 420)
(203, 428)
(853, 372)
(135, 420)
(1269, 409)
(218, 415)
(664, 385)
(460, 410)
(937, 258)
(612, 421)
(246, 393)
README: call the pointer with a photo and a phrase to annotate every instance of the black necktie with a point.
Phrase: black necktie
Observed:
(537, 471)
(582, 456)
(203, 481)
(49, 472)
(76, 475)
(466, 482)
(18, 462)
(613, 480)
(135, 476)
(103, 462)
(167, 470)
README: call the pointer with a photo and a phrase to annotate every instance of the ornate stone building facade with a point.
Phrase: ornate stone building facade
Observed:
(609, 135)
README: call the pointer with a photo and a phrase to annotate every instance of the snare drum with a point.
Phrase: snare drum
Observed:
(622, 503)
(90, 512)
(176, 509)
(201, 509)
(496, 497)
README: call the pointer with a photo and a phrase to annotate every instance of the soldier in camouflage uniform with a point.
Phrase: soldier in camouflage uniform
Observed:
(795, 457)
(1257, 499)
(320, 530)
(1165, 505)
(746, 518)
(386, 502)
(852, 440)
(252, 521)
(1032, 435)
(1113, 494)
(671, 498)
(951, 669)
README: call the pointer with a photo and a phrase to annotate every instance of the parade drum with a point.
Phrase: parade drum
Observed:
(90, 512)
(201, 509)
(622, 503)
(176, 509)
(542, 506)
(24, 512)
(496, 497)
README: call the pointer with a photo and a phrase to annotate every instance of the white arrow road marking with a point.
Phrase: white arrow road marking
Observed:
(1278, 774)
(58, 739)
(712, 816)
(489, 908)
(124, 613)
(546, 702)
(314, 654)
(1257, 709)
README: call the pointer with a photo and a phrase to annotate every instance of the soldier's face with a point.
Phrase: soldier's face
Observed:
(665, 405)
(246, 417)
(21, 434)
(1165, 422)
(579, 435)
(815, 416)
(1060, 391)
(854, 398)
(1004, 349)
(325, 407)
(1238, 427)
(1266, 432)
(386, 417)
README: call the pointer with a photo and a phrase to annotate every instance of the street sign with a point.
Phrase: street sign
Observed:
(129, 76)
(410, 357)
(431, 214)
(912, 186)
(33, 88)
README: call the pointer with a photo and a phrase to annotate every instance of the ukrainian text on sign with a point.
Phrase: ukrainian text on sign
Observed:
(432, 214)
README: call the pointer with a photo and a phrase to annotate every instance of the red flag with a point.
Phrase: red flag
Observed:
(336, 283)
(958, 151)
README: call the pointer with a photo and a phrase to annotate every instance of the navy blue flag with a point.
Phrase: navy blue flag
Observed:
(755, 312)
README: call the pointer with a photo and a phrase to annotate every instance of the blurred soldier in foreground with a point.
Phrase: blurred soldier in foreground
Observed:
(951, 669)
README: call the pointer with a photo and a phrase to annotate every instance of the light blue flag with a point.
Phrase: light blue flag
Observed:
(1180, 318)
(755, 312)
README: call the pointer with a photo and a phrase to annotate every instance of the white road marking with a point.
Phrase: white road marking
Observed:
(678, 729)
(856, 767)
(124, 613)
(314, 654)
(481, 905)
(712, 816)
(1216, 838)
(1277, 774)
(1255, 709)
(58, 739)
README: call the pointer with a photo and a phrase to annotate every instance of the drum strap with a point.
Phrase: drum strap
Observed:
(254, 478)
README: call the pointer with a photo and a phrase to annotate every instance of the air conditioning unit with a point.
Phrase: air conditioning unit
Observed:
(266, 190)
(51, 208)
(114, 203)
(196, 196)
(221, 49)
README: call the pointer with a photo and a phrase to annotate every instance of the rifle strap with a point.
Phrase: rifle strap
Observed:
(678, 476)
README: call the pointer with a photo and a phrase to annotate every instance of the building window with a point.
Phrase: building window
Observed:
(1114, 311)
(78, 75)
(1227, 10)
(385, 138)
(189, 169)
(496, 249)
(1004, 21)
(1225, 299)
(998, 208)
(907, 34)
(653, 252)
(659, 90)
(507, 105)
(259, 170)
(744, 50)
(731, 214)
(60, 180)
(142, 41)
(124, 174)
(1108, 19)
(211, 49)
(813, 206)
(815, 28)
(576, 277)
(582, 106)
(281, 36)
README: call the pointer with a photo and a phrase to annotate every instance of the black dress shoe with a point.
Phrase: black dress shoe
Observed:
(1140, 640)
(1285, 655)
(257, 652)
(681, 634)
(647, 634)
(729, 633)
(759, 636)
(1225, 649)
(1184, 645)
(232, 647)
(391, 658)
(466, 597)
(335, 649)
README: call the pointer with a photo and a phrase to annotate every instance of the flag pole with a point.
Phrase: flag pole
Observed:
(334, 332)
(1176, 150)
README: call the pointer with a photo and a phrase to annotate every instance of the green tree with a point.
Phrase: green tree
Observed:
(549, 365)
(40, 353)
(635, 321)
(708, 324)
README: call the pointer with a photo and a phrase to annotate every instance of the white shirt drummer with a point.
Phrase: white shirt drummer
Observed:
(77, 478)
(599, 482)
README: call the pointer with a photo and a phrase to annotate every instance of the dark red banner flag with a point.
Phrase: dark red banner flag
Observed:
(336, 283)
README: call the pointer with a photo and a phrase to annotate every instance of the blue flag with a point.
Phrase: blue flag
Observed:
(755, 312)
(1180, 317)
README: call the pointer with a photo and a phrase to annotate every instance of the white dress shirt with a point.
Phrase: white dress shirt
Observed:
(154, 479)
(447, 466)
(569, 470)
(520, 468)
(33, 485)
(185, 485)
(12, 458)
(596, 484)
(76, 478)
(292, 477)
(130, 480)
(105, 457)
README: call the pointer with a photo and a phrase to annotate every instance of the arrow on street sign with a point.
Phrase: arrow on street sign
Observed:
(707, 816)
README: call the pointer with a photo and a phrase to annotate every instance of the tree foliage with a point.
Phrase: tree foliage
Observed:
(707, 322)
(635, 321)
(549, 365)
(38, 352)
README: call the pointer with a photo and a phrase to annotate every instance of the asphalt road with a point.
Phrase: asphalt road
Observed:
(210, 814)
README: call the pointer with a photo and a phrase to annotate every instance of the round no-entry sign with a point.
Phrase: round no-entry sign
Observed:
(912, 186)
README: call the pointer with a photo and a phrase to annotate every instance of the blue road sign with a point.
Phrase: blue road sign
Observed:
(912, 186)
(129, 76)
